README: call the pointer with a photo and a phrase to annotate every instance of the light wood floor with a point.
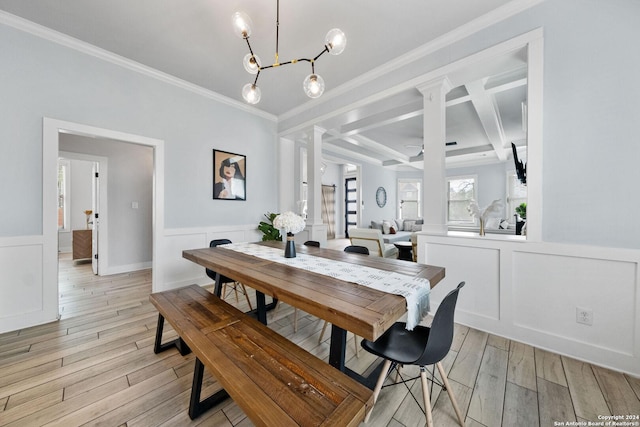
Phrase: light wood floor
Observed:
(96, 366)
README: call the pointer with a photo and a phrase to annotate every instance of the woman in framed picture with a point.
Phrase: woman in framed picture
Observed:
(232, 185)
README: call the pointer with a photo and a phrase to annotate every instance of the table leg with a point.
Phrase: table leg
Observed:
(337, 350)
(262, 308)
(217, 290)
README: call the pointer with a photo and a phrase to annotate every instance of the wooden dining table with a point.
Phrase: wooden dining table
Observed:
(364, 311)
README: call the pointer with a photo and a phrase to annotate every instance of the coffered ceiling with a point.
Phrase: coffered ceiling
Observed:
(193, 41)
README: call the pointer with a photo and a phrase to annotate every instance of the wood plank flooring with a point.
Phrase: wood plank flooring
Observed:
(96, 366)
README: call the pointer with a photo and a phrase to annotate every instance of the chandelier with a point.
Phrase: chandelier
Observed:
(313, 85)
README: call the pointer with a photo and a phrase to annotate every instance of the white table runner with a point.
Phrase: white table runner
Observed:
(414, 290)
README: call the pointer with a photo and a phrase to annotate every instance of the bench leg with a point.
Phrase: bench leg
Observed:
(178, 343)
(196, 407)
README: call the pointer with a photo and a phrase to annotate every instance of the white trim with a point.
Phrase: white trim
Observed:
(516, 283)
(128, 268)
(103, 243)
(535, 90)
(485, 21)
(89, 49)
(15, 241)
(507, 46)
(50, 148)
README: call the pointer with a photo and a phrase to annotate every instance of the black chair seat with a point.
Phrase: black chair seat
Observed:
(399, 345)
(422, 346)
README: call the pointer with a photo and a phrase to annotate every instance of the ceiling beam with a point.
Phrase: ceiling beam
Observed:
(366, 143)
(489, 116)
(349, 154)
(384, 118)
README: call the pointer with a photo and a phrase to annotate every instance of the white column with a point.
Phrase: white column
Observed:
(314, 178)
(434, 201)
(315, 228)
(287, 182)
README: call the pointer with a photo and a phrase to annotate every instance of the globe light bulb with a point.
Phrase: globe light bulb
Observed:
(241, 24)
(313, 86)
(335, 41)
(251, 63)
(251, 93)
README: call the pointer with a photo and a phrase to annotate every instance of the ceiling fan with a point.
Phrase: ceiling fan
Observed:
(421, 146)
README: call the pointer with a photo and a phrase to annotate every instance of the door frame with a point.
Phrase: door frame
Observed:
(101, 230)
(51, 129)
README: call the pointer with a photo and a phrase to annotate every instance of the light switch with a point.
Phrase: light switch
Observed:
(134, 205)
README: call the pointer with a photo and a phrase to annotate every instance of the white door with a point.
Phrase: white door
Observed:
(95, 204)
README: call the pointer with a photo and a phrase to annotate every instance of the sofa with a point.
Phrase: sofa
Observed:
(402, 229)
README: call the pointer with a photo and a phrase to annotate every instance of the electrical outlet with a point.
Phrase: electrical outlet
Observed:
(584, 316)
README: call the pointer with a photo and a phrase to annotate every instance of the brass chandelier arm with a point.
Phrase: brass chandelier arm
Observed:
(313, 84)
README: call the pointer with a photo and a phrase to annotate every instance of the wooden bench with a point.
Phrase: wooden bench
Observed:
(274, 381)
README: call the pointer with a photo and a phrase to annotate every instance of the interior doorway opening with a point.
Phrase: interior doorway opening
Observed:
(82, 200)
(52, 133)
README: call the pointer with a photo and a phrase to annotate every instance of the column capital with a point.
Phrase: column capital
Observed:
(443, 84)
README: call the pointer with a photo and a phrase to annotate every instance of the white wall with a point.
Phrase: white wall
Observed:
(40, 78)
(372, 178)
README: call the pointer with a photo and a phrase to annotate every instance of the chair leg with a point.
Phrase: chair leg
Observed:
(425, 394)
(445, 380)
(376, 390)
(398, 373)
(355, 339)
(235, 290)
(246, 295)
(324, 328)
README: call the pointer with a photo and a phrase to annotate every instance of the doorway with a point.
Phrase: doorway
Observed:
(350, 204)
(83, 199)
(52, 129)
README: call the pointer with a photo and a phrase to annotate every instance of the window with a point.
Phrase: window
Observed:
(516, 194)
(460, 191)
(63, 192)
(410, 196)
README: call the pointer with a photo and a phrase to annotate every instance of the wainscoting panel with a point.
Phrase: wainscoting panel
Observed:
(529, 292)
(549, 288)
(481, 296)
(177, 271)
(24, 293)
(26, 298)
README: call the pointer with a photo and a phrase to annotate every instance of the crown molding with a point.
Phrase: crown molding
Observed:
(89, 49)
(485, 21)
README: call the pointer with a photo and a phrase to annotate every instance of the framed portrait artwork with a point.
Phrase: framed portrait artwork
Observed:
(229, 172)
